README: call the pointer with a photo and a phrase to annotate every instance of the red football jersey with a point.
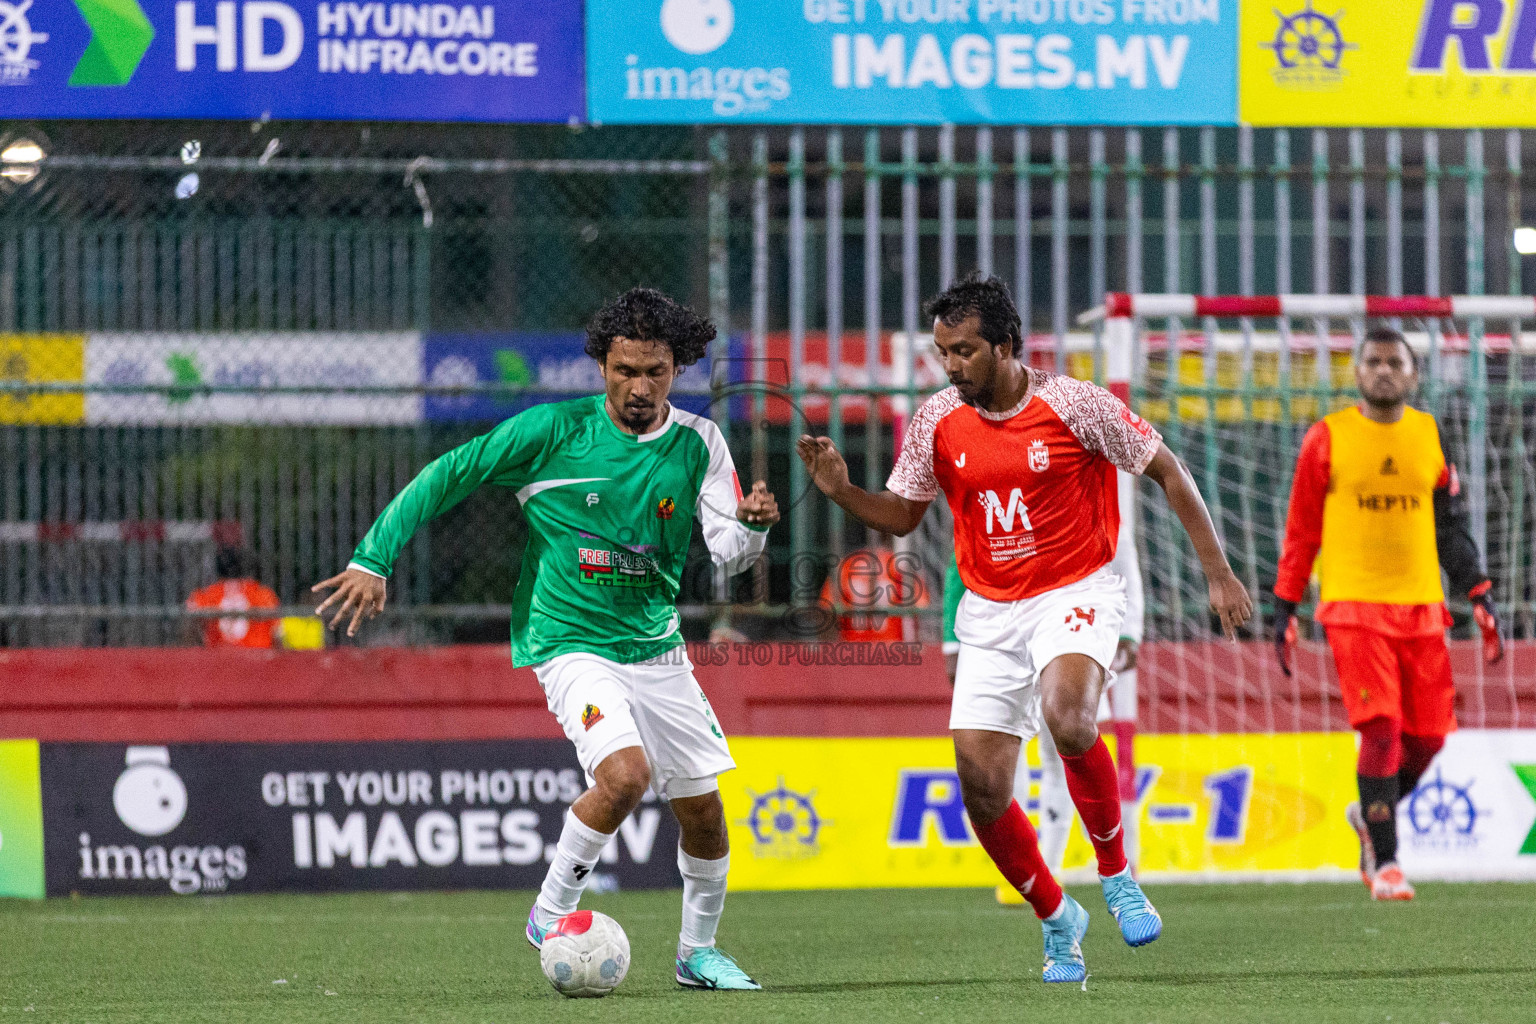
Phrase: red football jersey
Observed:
(1033, 489)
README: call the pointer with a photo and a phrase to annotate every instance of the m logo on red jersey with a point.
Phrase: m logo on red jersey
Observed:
(1039, 456)
(996, 513)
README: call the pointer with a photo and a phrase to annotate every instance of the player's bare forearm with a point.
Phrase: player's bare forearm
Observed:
(887, 511)
(1173, 477)
(1229, 598)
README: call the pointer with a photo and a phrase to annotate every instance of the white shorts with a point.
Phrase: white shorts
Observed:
(1005, 644)
(656, 705)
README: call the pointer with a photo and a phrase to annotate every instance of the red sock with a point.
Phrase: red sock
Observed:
(1095, 790)
(1418, 751)
(1011, 843)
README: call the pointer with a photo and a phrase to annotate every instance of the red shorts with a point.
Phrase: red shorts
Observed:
(1406, 679)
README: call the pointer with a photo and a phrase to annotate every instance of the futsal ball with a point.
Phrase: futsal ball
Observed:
(585, 955)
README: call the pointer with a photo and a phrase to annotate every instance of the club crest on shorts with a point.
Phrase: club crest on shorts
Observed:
(665, 507)
(590, 716)
(1039, 456)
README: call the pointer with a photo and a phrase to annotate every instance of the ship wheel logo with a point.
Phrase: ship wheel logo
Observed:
(1441, 809)
(784, 822)
(1309, 47)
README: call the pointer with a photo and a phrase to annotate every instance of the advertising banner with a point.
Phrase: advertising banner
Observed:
(491, 60)
(21, 820)
(913, 61)
(250, 817)
(852, 813)
(1402, 63)
(185, 363)
(552, 359)
(1473, 814)
(42, 358)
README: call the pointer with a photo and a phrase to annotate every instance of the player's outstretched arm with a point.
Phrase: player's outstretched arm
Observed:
(496, 457)
(355, 591)
(1229, 598)
(887, 511)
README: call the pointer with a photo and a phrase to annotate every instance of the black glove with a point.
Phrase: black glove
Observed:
(1285, 633)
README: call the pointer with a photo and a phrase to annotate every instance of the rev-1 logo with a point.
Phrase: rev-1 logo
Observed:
(1471, 25)
(929, 794)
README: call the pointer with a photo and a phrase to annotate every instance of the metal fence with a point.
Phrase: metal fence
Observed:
(812, 247)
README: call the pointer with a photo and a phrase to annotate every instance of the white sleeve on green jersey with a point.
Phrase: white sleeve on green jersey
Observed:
(732, 543)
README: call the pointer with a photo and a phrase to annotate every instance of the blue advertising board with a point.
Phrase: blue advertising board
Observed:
(912, 61)
(489, 60)
(556, 361)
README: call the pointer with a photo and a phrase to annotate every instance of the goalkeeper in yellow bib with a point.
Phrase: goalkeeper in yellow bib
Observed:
(610, 486)
(1378, 507)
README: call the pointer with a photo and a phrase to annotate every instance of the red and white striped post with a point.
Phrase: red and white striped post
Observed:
(1120, 305)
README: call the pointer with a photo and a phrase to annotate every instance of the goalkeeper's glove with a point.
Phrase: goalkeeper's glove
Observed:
(1487, 617)
(1285, 633)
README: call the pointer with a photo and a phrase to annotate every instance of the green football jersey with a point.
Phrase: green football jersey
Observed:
(609, 516)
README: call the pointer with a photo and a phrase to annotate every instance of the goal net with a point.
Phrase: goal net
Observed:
(1233, 383)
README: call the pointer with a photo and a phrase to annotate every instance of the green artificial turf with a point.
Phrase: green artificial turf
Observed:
(1233, 953)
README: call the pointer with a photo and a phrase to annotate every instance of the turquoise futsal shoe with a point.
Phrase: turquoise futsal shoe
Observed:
(707, 967)
(1063, 938)
(1139, 922)
(534, 933)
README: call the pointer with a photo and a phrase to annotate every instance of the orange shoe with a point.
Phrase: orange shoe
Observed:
(1390, 884)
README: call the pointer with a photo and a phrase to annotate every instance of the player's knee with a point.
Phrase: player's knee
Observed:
(985, 791)
(1072, 726)
(1381, 746)
(624, 786)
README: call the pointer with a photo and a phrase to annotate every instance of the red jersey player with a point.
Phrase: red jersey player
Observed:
(1027, 461)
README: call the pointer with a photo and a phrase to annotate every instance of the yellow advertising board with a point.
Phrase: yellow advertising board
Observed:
(812, 813)
(42, 358)
(1405, 63)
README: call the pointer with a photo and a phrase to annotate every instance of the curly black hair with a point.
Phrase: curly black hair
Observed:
(987, 299)
(645, 314)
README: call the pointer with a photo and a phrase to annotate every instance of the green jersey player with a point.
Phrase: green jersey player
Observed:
(610, 486)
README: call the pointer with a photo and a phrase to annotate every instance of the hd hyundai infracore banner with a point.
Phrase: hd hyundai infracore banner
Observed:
(489, 60)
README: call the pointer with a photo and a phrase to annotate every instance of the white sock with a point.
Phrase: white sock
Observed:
(1056, 808)
(569, 872)
(703, 899)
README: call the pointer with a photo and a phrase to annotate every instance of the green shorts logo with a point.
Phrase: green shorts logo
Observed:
(21, 820)
(120, 36)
